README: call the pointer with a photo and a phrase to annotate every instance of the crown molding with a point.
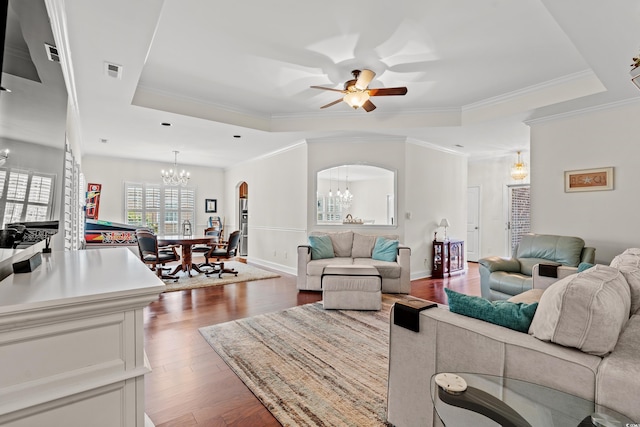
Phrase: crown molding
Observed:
(582, 111)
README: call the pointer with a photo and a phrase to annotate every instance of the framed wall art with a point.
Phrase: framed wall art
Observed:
(211, 205)
(588, 180)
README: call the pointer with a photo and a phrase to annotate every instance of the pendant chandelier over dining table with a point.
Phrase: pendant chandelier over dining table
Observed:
(172, 176)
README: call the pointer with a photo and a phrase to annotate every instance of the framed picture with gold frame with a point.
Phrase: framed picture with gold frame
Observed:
(588, 180)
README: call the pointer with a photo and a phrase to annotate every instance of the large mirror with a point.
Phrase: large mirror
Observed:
(356, 194)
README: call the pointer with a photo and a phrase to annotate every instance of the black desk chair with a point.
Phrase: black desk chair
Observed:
(228, 251)
(8, 238)
(153, 256)
(211, 231)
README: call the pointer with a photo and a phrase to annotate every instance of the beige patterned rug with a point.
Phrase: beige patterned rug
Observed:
(246, 273)
(310, 366)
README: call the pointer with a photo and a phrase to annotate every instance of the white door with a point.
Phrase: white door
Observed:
(473, 224)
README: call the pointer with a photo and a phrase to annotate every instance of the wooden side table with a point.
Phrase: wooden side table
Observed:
(448, 258)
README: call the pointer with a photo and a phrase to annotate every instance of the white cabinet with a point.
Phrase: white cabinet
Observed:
(72, 343)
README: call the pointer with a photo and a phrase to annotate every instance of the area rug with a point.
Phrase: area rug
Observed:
(246, 273)
(310, 366)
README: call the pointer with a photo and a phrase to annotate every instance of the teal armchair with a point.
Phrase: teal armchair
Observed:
(502, 278)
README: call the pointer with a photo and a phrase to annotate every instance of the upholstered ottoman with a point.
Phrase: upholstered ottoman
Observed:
(351, 287)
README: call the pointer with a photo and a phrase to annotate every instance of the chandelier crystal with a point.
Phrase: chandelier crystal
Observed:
(172, 176)
(344, 199)
(519, 169)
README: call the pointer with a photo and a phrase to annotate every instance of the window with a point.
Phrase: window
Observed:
(26, 196)
(160, 208)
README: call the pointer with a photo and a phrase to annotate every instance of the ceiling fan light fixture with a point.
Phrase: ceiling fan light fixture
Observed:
(357, 98)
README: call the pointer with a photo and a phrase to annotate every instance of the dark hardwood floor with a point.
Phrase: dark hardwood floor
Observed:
(190, 384)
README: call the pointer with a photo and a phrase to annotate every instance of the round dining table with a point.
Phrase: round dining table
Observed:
(186, 243)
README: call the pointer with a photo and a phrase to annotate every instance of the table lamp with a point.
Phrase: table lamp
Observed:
(445, 223)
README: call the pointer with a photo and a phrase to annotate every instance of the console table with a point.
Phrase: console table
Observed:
(448, 258)
(72, 342)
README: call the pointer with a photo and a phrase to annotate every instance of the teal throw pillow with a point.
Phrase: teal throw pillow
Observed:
(512, 315)
(584, 266)
(385, 249)
(321, 247)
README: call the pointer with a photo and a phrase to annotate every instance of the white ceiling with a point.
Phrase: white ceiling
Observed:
(474, 69)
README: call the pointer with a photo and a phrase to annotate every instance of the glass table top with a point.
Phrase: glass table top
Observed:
(514, 403)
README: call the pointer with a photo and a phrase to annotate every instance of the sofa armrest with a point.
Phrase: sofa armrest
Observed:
(495, 263)
(588, 255)
(543, 282)
(404, 259)
(304, 256)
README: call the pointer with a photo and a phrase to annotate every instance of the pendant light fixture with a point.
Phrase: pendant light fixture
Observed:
(519, 170)
(173, 177)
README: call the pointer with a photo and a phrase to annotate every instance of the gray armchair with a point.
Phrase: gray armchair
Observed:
(502, 278)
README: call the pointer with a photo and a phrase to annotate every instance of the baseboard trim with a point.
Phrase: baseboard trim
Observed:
(278, 267)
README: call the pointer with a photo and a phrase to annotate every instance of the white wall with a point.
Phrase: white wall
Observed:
(112, 172)
(607, 220)
(493, 176)
(277, 206)
(436, 188)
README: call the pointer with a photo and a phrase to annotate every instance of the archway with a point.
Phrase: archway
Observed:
(243, 218)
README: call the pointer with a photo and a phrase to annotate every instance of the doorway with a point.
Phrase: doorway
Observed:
(519, 216)
(473, 224)
(243, 218)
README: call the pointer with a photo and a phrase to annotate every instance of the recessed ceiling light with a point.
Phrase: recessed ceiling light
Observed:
(165, 124)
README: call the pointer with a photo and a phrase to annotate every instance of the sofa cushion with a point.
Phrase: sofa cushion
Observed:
(516, 316)
(563, 249)
(385, 249)
(528, 297)
(628, 263)
(387, 269)
(509, 283)
(586, 310)
(315, 267)
(321, 247)
(362, 245)
(342, 243)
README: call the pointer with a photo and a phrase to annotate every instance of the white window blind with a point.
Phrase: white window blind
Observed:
(160, 208)
(26, 196)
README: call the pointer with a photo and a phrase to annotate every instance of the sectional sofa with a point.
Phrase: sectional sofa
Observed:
(584, 339)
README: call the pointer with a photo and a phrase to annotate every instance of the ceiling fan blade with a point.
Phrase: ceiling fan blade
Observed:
(364, 78)
(328, 88)
(387, 91)
(368, 106)
(332, 103)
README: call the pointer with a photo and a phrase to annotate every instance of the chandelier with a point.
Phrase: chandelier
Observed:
(344, 199)
(519, 169)
(4, 155)
(172, 176)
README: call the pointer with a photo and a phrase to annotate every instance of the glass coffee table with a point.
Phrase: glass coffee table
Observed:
(465, 399)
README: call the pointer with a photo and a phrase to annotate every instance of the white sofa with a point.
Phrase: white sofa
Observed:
(450, 342)
(353, 248)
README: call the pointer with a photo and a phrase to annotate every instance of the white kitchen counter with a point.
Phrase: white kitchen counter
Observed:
(72, 341)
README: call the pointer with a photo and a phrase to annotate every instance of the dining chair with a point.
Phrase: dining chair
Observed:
(211, 231)
(221, 252)
(154, 256)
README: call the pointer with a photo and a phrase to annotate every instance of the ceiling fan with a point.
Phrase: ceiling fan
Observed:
(357, 91)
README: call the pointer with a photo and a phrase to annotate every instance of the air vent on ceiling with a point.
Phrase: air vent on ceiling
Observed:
(52, 53)
(113, 70)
